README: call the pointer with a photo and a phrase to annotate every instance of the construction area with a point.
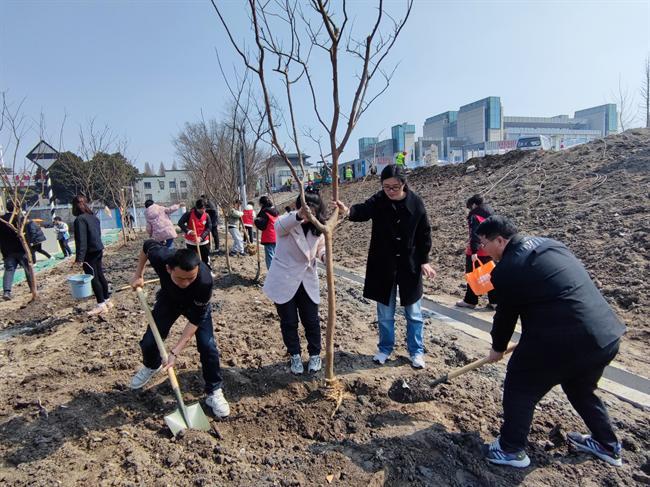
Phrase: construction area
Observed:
(68, 417)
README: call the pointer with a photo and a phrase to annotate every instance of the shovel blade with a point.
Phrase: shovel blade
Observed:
(196, 419)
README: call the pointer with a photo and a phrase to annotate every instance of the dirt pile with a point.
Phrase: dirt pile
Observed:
(594, 197)
(67, 416)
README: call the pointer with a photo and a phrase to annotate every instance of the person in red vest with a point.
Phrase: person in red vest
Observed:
(478, 211)
(247, 220)
(265, 222)
(197, 219)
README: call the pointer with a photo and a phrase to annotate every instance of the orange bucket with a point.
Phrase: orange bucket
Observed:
(479, 279)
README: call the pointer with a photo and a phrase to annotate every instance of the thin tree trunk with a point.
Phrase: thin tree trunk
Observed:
(331, 307)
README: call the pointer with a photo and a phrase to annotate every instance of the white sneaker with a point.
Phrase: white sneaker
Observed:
(109, 304)
(315, 363)
(98, 310)
(417, 361)
(143, 376)
(380, 358)
(218, 403)
(296, 365)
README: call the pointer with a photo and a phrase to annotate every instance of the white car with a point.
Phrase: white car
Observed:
(534, 142)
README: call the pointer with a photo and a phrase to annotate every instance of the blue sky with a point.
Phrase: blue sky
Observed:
(146, 67)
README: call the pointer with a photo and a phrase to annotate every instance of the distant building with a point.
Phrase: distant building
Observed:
(279, 172)
(170, 188)
(480, 128)
(383, 152)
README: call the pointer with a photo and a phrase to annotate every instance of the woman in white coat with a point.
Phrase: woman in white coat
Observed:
(292, 281)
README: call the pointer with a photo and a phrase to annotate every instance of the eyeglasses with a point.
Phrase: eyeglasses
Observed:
(483, 243)
(394, 187)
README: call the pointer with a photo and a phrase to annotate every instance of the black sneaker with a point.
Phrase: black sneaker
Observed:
(497, 456)
(587, 444)
(6, 295)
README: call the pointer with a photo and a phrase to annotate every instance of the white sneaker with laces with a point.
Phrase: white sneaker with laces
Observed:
(417, 361)
(218, 403)
(380, 358)
(143, 376)
(98, 310)
(315, 363)
(296, 365)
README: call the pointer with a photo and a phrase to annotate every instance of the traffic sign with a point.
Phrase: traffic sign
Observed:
(43, 155)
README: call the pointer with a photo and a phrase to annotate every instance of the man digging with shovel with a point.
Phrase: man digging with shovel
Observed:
(186, 289)
(568, 336)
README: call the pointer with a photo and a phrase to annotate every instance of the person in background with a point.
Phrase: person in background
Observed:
(185, 290)
(62, 236)
(397, 259)
(89, 252)
(478, 212)
(234, 217)
(287, 209)
(212, 212)
(159, 226)
(247, 219)
(13, 252)
(349, 175)
(569, 334)
(196, 225)
(265, 222)
(400, 159)
(292, 281)
(35, 238)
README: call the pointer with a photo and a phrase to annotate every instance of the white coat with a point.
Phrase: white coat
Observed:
(294, 261)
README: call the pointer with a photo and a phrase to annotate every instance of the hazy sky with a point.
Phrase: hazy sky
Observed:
(147, 67)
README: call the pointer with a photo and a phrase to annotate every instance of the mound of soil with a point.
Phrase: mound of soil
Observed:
(67, 416)
(595, 198)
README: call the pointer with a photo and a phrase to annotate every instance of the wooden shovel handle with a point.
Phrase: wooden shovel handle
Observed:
(128, 286)
(476, 364)
(196, 236)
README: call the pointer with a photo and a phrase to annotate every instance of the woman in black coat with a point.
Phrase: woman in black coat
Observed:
(398, 257)
(89, 251)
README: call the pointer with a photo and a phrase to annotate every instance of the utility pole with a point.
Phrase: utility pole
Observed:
(242, 168)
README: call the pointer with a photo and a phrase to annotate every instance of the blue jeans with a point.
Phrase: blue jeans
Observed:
(269, 252)
(414, 326)
(165, 314)
(12, 261)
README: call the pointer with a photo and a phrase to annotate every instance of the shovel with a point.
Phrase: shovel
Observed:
(128, 286)
(401, 391)
(184, 417)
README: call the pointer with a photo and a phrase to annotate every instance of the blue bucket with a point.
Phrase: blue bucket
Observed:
(80, 285)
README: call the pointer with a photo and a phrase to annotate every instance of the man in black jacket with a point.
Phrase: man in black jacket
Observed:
(13, 252)
(185, 289)
(569, 335)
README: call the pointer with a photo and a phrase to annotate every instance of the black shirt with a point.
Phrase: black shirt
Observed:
(194, 301)
(87, 236)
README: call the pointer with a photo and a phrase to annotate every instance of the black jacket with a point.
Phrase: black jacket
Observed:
(484, 211)
(211, 210)
(399, 244)
(34, 233)
(9, 241)
(540, 281)
(262, 218)
(87, 236)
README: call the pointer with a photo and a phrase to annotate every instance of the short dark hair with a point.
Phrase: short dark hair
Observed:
(393, 171)
(57, 218)
(148, 203)
(476, 199)
(186, 259)
(265, 202)
(199, 205)
(496, 226)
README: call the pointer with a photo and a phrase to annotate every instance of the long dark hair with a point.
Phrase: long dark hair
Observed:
(265, 202)
(318, 209)
(394, 171)
(80, 205)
